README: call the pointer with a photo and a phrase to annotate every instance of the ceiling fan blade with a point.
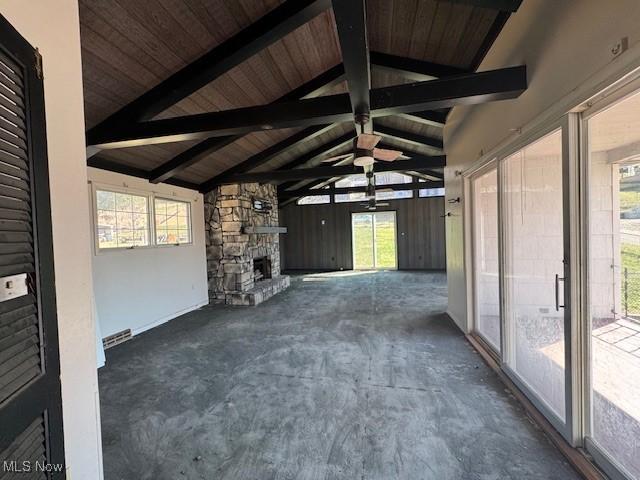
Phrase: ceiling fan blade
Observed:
(386, 155)
(366, 141)
(336, 158)
(384, 204)
(384, 190)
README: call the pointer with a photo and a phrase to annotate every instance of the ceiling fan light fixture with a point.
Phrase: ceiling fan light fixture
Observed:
(363, 161)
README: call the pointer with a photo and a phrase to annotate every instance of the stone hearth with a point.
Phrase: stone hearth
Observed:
(233, 244)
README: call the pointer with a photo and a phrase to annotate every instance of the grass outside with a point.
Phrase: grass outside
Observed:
(385, 246)
(630, 256)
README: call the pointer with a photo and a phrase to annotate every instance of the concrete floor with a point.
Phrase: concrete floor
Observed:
(343, 376)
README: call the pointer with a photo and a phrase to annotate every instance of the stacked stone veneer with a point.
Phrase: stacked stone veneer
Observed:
(230, 251)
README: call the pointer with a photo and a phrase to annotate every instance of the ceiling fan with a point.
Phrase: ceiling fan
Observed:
(371, 202)
(365, 153)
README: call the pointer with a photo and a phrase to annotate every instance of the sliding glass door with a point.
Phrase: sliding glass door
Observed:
(614, 286)
(485, 258)
(536, 275)
(374, 240)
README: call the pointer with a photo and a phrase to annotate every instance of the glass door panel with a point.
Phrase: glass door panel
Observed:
(485, 258)
(534, 270)
(385, 239)
(362, 237)
(614, 282)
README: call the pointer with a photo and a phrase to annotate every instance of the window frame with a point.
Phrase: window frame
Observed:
(614, 95)
(155, 230)
(151, 197)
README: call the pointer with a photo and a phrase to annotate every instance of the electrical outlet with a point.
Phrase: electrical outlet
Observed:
(620, 46)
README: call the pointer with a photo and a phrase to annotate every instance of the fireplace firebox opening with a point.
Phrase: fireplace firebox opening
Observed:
(261, 269)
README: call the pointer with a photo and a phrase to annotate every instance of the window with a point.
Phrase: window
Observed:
(385, 178)
(534, 268)
(389, 178)
(173, 222)
(614, 263)
(315, 199)
(430, 192)
(352, 181)
(122, 220)
(485, 257)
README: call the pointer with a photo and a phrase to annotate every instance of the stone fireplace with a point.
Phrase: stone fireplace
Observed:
(243, 249)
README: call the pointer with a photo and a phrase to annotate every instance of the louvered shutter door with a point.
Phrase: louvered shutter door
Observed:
(20, 350)
(30, 399)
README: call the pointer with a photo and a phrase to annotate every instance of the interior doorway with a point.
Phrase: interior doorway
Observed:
(374, 240)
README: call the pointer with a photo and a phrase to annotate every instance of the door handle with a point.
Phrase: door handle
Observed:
(558, 280)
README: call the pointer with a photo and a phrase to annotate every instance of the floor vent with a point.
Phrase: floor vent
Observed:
(116, 338)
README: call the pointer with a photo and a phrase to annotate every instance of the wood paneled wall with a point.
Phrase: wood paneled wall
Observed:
(319, 236)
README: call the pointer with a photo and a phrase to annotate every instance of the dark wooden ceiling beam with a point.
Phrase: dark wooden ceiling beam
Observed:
(268, 154)
(409, 137)
(275, 25)
(351, 24)
(314, 192)
(111, 166)
(412, 69)
(465, 89)
(412, 164)
(302, 159)
(502, 5)
(318, 86)
(429, 118)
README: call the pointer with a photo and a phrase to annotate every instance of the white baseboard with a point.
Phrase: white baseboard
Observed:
(165, 319)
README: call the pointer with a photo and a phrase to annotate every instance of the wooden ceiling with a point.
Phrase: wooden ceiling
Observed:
(128, 47)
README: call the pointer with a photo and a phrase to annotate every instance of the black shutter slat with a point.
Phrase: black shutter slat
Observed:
(11, 75)
(17, 314)
(6, 214)
(13, 139)
(15, 338)
(12, 149)
(15, 226)
(7, 248)
(15, 258)
(30, 449)
(12, 107)
(13, 160)
(14, 182)
(6, 169)
(33, 435)
(15, 304)
(12, 96)
(14, 204)
(20, 357)
(14, 119)
(12, 87)
(15, 237)
(25, 439)
(20, 371)
(10, 127)
(16, 269)
(17, 348)
(11, 192)
(17, 325)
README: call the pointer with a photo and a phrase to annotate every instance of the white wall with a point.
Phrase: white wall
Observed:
(565, 45)
(53, 27)
(141, 288)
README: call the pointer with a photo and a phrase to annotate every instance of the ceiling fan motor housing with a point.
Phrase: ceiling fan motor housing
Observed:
(363, 158)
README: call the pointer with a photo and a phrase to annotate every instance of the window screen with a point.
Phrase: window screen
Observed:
(122, 220)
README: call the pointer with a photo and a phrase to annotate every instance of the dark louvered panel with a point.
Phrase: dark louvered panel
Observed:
(24, 458)
(20, 360)
(20, 345)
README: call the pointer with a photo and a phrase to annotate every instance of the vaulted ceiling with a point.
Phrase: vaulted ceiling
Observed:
(266, 51)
